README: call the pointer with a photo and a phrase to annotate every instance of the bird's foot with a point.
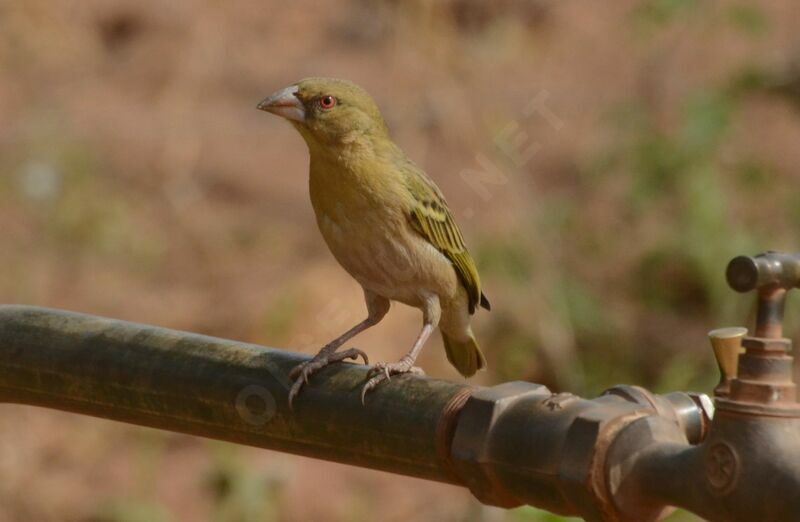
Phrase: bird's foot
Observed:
(303, 371)
(383, 372)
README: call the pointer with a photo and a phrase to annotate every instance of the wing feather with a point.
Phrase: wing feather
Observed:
(432, 219)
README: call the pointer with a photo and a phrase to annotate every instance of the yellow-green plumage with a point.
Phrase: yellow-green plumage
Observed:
(465, 356)
(432, 219)
(381, 216)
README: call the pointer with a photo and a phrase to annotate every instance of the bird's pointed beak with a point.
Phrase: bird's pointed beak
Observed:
(284, 103)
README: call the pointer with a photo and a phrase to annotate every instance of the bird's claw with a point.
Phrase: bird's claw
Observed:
(382, 372)
(301, 373)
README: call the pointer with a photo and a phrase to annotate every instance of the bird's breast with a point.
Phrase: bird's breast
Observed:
(368, 245)
(364, 220)
(387, 257)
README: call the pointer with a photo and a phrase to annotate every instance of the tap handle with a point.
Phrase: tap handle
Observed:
(772, 274)
(764, 271)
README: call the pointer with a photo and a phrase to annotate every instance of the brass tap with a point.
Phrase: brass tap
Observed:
(727, 345)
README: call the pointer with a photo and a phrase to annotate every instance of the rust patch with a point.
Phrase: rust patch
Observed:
(446, 428)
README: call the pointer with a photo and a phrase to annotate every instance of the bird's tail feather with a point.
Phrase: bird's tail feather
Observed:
(465, 356)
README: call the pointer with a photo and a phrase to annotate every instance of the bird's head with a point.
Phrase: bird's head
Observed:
(327, 111)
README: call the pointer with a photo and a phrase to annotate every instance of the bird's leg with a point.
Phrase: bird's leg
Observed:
(384, 371)
(377, 308)
(327, 355)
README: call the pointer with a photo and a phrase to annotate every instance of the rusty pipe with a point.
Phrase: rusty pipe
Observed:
(517, 443)
(748, 468)
(512, 444)
(220, 389)
(629, 456)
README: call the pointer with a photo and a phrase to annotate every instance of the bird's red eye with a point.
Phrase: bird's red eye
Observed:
(327, 102)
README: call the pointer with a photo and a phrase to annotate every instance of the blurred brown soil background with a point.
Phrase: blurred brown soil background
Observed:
(138, 181)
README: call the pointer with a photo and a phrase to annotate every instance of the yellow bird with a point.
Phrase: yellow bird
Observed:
(386, 223)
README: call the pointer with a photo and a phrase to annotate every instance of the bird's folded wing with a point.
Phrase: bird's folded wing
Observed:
(431, 218)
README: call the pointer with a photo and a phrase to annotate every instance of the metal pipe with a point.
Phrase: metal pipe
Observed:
(511, 444)
(746, 470)
(221, 389)
(517, 443)
(625, 456)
